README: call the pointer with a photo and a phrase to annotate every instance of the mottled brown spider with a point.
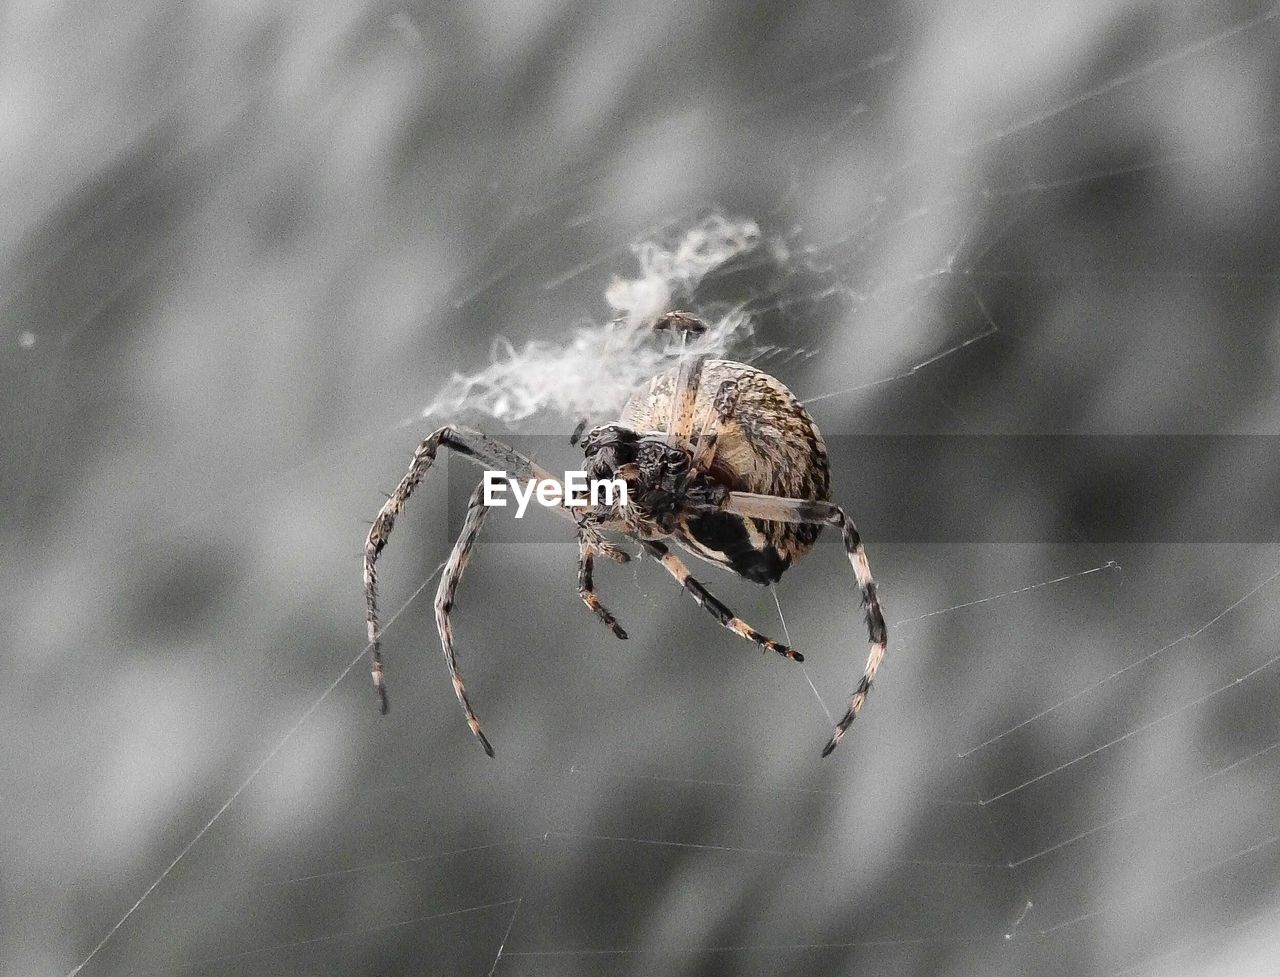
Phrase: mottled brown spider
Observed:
(717, 456)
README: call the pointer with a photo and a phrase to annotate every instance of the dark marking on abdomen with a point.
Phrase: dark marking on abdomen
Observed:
(725, 534)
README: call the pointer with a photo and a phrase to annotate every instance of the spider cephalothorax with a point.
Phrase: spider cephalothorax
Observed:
(717, 457)
(662, 481)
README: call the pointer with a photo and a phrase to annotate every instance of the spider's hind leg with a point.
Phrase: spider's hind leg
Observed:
(779, 509)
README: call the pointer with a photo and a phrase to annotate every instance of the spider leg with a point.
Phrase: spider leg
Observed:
(476, 511)
(779, 509)
(606, 549)
(586, 589)
(472, 444)
(675, 566)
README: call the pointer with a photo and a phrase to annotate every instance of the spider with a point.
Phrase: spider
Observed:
(717, 456)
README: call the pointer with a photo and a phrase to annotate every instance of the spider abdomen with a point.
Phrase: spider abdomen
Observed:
(766, 443)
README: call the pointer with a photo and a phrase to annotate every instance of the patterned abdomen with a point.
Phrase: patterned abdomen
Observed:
(768, 445)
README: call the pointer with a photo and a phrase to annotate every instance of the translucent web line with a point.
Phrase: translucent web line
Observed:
(822, 81)
(1133, 732)
(761, 788)
(1109, 565)
(1133, 664)
(1119, 81)
(1026, 908)
(208, 508)
(1008, 224)
(86, 227)
(205, 508)
(1133, 273)
(467, 292)
(1108, 86)
(1024, 894)
(1035, 186)
(262, 764)
(581, 268)
(1199, 943)
(330, 937)
(657, 951)
(1050, 504)
(786, 633)
(356, 869)
(1266, 842)
(1150, 805)
(506, 934)
(1042, 186)
(529, 875)
(989, 331)
(771, 852)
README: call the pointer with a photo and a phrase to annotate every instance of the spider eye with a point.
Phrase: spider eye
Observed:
(594, 438)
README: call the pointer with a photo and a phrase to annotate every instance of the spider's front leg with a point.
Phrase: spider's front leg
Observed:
(589, 544)
(485, 451)
(458, 559)
(777, 509)
(708, 601)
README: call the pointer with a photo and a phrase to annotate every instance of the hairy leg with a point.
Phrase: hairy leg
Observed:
(675, 566)
(779, 509)
(587, 548)
(481, 449)
(458, 559)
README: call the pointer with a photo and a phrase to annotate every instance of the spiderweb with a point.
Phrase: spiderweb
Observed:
(1069, 762)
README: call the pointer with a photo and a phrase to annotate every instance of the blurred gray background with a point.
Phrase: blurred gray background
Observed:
(242, 243)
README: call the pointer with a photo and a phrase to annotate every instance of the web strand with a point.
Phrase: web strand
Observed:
(786, 633)
(1151, 724)
(476, 287)
(755, 788)
(373, 866)
(253, 775)
(1121, 671)
(1159, 802)
(760, 947)
(1175, 883)
(331, 937)
(768, 852)
(906, 374)
(1109, 565)
(1198, 944)
(1126, 78)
